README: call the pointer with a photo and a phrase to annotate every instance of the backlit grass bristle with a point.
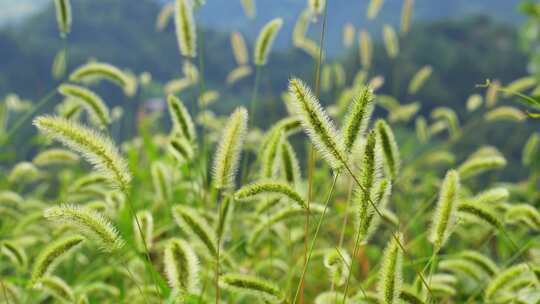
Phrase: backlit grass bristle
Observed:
(317, 124)
(88, 222)
(265, 40)
(94, 147)
(186, 33)
(227, 156)
(445, 216)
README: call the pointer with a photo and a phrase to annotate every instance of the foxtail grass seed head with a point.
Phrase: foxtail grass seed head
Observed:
(317, 124)
(390, 274)
(238, 74)
(474, 102)
(15, 253)
(181, 266)
(406, 16)
(257, 188)
(94, 147)
(186, 33)
(505, 113)
(419, 79)
(366, 49)
(477, 165)
(55, 157)
(391, 41)
(252, 285)
(165, 14)
(181, 119)
(444, 218)
(270, 157)
(266, 38)
(51, 256)
(337, 261)
(502, 279)
(196, 227)
(389, 147)
(290, 166)
(59, 65)
(373, 8)
(249, 8)
(227, 156)
(530, 150)
(94, 105)
(88, 222)
(357, 118)
(349, 33)
(524, 213)
(63, 16)
(316, 7)
(239, 48)
(95, 71)
(161, 179)
(58, 288)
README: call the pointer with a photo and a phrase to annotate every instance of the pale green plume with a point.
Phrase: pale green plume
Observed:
(51, 256)
(230, 147)
(502, 279)
(270, 157)
(530, 150)
(94, 105)
(374, 8)
(265, 40)
(316, 6)
(445, 218)
(180, 117)
(418, 80)
(161, 180)
(290, 166)
(180, 148)
(196, 228)
(337, 261)
(55, 157)
(406, 16)
(390, 275)
(317, 124)
(391, 41)
(181, 266)
(94, 147)
(186, 32)
(389, 147)
(252, 285)
(88, 222)
(63, 16)
(96, 71)
(357, 118)
(270, 187)
(15, 253)
(366, 49)
(58, 288)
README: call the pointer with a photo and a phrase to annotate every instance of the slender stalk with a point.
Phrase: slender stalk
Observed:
(311, 164)
(314, 240)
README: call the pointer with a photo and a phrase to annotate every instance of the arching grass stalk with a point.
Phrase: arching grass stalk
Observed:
(314, 239)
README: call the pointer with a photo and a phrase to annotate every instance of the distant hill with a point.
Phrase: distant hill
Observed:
(463, 52)
(226, 15)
